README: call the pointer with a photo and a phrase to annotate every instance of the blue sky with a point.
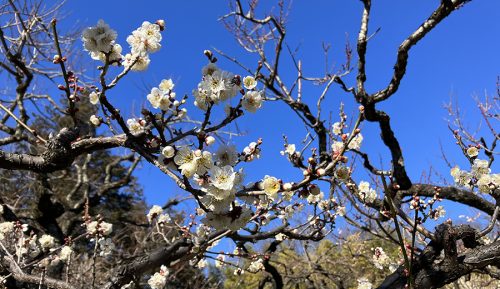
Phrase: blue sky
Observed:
(459, 58)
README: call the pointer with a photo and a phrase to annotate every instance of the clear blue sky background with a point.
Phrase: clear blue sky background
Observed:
(459, 58)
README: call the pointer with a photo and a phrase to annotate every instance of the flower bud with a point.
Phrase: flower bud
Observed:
(168, 152)
(209, 140)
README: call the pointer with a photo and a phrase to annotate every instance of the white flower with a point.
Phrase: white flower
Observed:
(252, 151)
(5, 229)
(102, 228)
(168, 152)
(480, 167)
(65, 253)
(484, 184)
(157, 281)
(380, 258)
(134, 125)
(94, 97)
(256, 266)
(47, 241)
(99, 38)
(136, 62)
(209, 69)
(146, 38)
(166, 85)
(222, 178)
(341, 211)
(154, 212)
(252, 100)
(271, 186)
(461, 178)
(472, 152)
(95, 120)
(114, 57)
(185, 159)
(106, 246)
(337, 128)
(337, 147)
(367, 194)
(203, 161)
(249, 82)
(355, 143)
(226, 155)
(438, 213)
(290, 150)
(280, 237)
(209, 140)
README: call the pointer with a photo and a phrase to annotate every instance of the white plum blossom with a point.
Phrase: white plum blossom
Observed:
(146, 38)
(94, 97)
(289, 150)
(222, 177)
(209, 69)
(485, 184)
(203, 161)
(480, 167)
(280, 237)
(249, 82)
(114, 57)
(367, 194)
(461, 177)
(135, 125)
(166, 85)
(439, 212)
(226, 155)
(337, 147)
(6, 228)
(355, 143)
(106, 246)
(136, 62)
(185, 159)
(99, 227)
(95, 120)
(472, 152)
(380, 258)
(65, 253)
(251, 152)
(99, 38)
(159, 99)
(271, 186)
(256, 266)
(233, 220)
(159, 279)
(337, 128)
(252, 100)
(47, 241)
(154, 212)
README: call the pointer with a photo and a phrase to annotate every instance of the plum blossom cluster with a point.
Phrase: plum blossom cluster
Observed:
(366, 193)
(157, 214)
(100, 41)
(163, 97)
(159, 279)
(479, 176)
(381, 260)
(218, 86)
